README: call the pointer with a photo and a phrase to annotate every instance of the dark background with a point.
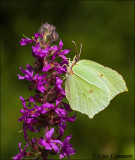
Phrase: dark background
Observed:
(106, 30)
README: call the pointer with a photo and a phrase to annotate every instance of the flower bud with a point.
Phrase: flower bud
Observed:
(48, 32)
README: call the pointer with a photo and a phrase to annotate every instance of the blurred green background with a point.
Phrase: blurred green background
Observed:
(106, 30)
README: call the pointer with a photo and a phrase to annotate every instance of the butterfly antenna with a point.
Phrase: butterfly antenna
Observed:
(75, 47)
(80, 49)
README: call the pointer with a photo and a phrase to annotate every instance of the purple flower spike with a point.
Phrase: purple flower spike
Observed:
(45, 110)
(67, 148)
(49, 143)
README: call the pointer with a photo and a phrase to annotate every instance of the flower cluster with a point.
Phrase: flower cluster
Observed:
(44, 111)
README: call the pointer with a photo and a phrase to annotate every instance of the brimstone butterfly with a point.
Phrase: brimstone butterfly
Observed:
(90, 86)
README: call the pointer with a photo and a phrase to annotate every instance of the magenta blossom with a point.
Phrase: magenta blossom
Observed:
(67, 148)
(26, 41)
(49, 143)
(59, 52)
(28, 73)
(22, 153)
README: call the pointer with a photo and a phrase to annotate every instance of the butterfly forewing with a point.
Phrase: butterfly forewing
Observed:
(112, 80)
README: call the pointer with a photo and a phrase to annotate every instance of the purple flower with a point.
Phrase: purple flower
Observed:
(58, 86)
(62, 52)
(67, 148)
(46, 68)
(22, 152)
(26, 41)
(60, 69)
(28, 73)
(59, 52)
(49, 143)
(37, 35)
(28, 117)
(38, 52)
(39, 80)
(62, 123)
(45, 106)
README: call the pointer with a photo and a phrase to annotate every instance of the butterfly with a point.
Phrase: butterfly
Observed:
(90, 86)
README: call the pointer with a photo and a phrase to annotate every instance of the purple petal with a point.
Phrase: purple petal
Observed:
(55, 48)
(58, 81)
(55, 147)
(56, 141)
(43, 52)
(18, 156)
(44, 112)
(60, 69)
(31, 99)
(49, 134)
(28, 73)
(25, 41)
(41, 88)
(23, 102)
(65, 51)
(30, 69)
(67, 139)
(63, 57)
(48, 105)
(60, 44)
(66, 106)
(20, 146)
(45, 144)
(37, 35)
(20, 77)
(71, 119)
(42, 142)
(58, 100)
(60, 112)
(46, 68)
(62, 127)
(48, 146)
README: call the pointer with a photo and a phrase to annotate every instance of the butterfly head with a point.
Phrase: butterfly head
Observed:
(75, 60)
